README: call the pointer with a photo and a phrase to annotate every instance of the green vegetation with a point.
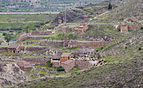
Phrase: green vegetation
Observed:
(49, 64)
(1, 42)
(60, 68)
(110, 6)
(39, 5)
(24, 22)
(61, 36)
(8, 38)
(67, 36)
(118, 74)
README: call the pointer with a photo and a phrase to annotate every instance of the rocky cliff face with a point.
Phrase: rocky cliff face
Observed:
(11, 73)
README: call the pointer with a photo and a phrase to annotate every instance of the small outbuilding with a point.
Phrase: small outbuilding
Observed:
(65, 57)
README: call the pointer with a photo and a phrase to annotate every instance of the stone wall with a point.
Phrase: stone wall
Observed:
(36, 60)
(34, 48)
(2, 49)
(82, 28)
(133, 27)
(41, 33)
(127, 27)
(36, 38)
(68, 65)
(93, 44)
(83, 64)
(57, 43)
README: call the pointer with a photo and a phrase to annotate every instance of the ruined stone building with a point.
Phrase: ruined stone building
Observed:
(15, 47)
(82, 28)
(128, 24)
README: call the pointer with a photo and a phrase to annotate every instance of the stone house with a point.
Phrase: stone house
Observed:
(15, 47)
(128, 24)
(70, 43)
(82, 28)
(67, 29)
(124, 29)
(55, 60)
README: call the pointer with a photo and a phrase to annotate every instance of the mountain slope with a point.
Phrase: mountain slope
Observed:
(40, 5)
(124, 68)
(129, 8)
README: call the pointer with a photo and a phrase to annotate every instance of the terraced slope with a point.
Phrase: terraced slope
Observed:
(124, 68)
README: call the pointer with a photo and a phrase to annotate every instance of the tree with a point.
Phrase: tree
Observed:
(49, 64)
(109, 6)
(142, 28)
(8, 38)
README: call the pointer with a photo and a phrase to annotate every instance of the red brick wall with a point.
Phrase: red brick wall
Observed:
(63, 59)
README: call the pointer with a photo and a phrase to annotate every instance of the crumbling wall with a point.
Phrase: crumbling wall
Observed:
(83, 64)
(36, 60)
(68, 65)
(34, 48)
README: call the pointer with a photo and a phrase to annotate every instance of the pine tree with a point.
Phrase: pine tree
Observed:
(109, 6)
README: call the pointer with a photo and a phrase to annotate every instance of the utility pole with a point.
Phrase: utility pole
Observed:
(65, 15)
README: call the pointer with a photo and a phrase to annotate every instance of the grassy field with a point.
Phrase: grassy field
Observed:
(18, 22)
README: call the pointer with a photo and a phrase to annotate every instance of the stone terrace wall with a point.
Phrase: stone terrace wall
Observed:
(133, 27)
(41, 33)
(2, 49)
(24, 37)
(93, 44)
(36, 38)
(57, 43)
(36, 60)
(34, 48)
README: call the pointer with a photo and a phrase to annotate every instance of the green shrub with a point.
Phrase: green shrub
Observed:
(142, 28)
(60, 68)
(140, 48)
(49, 64)
(85, 10)
(0, 42)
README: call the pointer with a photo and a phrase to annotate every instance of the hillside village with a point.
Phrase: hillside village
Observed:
(66, 50)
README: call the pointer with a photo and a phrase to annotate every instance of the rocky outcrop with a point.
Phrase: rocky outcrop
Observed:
(11, 73)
